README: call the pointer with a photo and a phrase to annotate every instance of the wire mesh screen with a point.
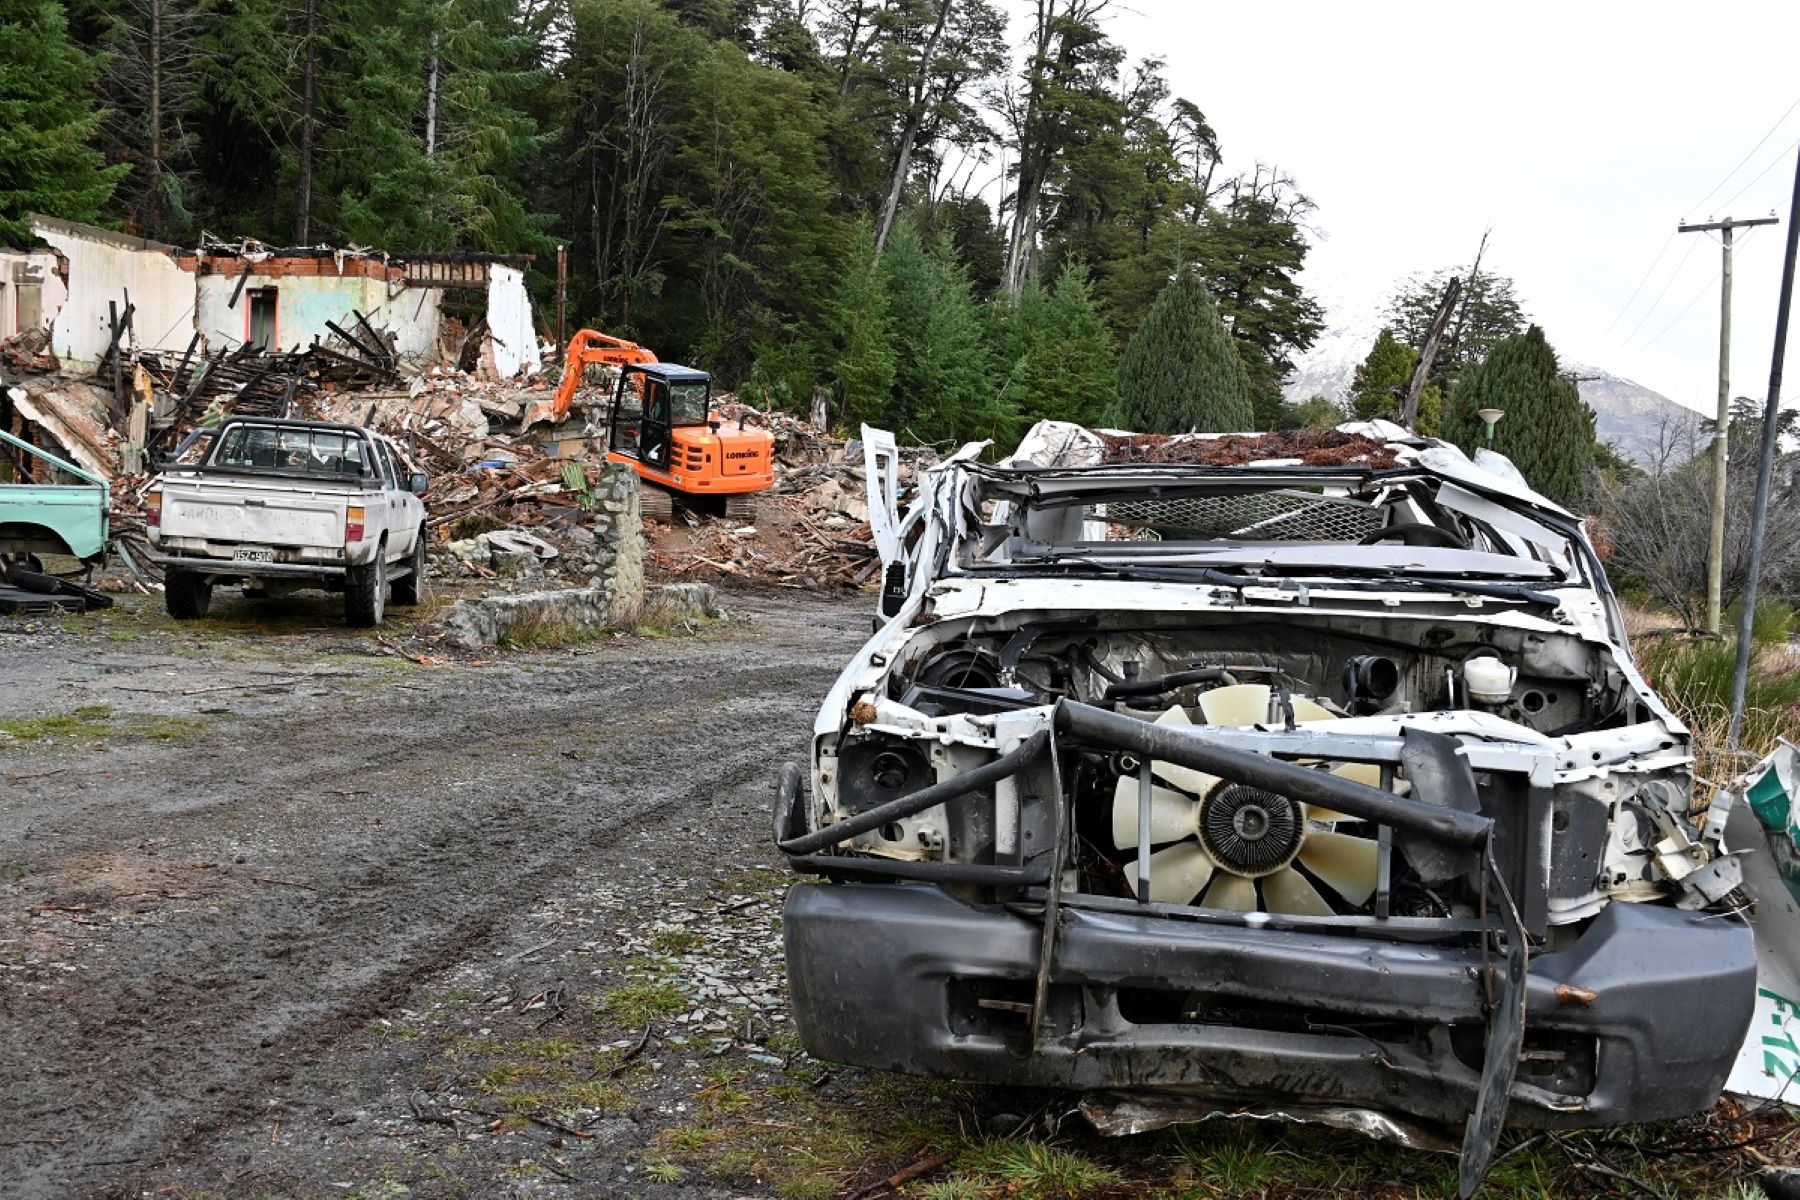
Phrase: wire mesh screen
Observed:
(1280, 516)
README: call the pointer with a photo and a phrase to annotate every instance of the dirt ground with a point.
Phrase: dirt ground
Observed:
(232, 864)
(284, 913)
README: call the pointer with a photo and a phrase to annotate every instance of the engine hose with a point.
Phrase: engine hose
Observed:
(1167, 683)
(986, 775)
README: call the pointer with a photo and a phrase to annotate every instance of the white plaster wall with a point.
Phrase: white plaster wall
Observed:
(306, 302)
(54, 294)
(102, 272)
(512, 343)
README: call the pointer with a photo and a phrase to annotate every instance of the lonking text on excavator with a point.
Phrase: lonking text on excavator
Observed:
(662, 425)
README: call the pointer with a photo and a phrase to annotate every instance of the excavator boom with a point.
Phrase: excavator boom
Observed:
(587, 348)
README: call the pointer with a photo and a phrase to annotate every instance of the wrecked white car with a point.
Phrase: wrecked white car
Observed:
(1291, 774)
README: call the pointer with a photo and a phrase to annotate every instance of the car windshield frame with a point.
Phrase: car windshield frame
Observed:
(1504, 540)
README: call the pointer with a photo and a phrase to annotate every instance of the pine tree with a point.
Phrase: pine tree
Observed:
(944, 389)
(1547, 431)
(47, 117)
(1380, 383)
(863, 367)
(1055, 351)
(1181, 370)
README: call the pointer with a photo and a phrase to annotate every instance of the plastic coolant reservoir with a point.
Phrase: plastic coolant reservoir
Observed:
(1488, 680)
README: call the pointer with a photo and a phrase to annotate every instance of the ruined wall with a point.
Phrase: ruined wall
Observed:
(161, 292)
(613, 597)
(20, 271)
(512, 334)
(305, 302)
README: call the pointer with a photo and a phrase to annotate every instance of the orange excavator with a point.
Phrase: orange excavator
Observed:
(662, 425)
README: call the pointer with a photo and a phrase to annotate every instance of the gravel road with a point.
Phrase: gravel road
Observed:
(236, 863)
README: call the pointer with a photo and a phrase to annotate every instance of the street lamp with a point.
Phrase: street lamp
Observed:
(1490, 417)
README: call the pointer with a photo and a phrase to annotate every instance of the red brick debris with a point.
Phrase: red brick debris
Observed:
(1313, 447)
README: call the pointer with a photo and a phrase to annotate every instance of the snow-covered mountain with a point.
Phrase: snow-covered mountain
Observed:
(1632, 417)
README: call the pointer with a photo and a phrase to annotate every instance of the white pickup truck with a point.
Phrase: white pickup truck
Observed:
(277, 505)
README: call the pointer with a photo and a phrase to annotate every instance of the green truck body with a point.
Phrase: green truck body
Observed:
(55, 518)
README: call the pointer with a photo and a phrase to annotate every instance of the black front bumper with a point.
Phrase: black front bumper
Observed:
(1638, 1020)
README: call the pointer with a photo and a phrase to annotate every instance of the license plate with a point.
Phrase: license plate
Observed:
(254, 554)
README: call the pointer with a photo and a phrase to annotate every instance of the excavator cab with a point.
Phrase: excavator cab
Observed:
(662, 426)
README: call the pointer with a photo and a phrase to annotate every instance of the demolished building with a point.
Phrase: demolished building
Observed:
(229, 295)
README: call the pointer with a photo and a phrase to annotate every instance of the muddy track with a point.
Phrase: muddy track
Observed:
(303, 865)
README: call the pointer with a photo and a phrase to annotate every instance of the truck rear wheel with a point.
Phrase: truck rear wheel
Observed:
(411, 590)
(365, 592)
(186, 594)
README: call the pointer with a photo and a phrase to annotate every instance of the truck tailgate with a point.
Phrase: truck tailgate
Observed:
(226, 512)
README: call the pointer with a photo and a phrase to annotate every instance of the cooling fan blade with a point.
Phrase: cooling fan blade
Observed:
(1234, 893)
(1239, 705)
(1288, 891)
(1346, 864)
(1177, 874)
(1260, 836)
(1172, 814)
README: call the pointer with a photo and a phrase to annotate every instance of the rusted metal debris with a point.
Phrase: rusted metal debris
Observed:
(1312, 447)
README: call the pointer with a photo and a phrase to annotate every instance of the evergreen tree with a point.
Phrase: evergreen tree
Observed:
(863, 352)
(47, 117)
(1547, 431)
(1379, 387)
(1181, 370)
(1251, 253)
(1486, 314)
(944, 387)
(1056, 352)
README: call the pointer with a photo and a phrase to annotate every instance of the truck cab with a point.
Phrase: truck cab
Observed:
(49, 506)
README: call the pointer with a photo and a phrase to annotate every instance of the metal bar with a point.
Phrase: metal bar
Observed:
(1194, 747)
(1759, 520)
(1143, 847)
(974, 874)
(929, 797)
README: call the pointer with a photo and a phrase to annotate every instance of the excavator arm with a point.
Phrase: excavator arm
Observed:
(587, 348)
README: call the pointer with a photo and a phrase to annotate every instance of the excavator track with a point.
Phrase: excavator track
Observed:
(656, 504)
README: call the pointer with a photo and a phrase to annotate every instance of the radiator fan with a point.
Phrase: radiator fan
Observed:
(1227, 845)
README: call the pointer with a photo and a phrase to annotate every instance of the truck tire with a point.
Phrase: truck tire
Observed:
(365, 592)
(186, 594)
(411, 590)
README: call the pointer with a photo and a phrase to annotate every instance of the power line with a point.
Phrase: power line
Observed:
(1759, 145)
(1664, 248)
(1677, 318)
(1667, 283)
(1779, 159)
(1618, 316)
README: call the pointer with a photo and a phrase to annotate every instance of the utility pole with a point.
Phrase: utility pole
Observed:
(1715, 545)
(1759, 515)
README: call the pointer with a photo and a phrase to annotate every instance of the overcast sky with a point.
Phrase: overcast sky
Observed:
(1581, 131)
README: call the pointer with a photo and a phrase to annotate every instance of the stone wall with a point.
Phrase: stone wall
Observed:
(613, 597)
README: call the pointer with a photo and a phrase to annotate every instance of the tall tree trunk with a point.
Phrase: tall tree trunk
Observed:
(303, 201)
(155, 114)
(1021, 241)
(850, 48)
(431, 98)
(915, 117)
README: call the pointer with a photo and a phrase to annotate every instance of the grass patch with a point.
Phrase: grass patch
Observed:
(632, 1004)
(675, 941)
(88, 721)
(541, 629)
(1041, 1171)
(1693, 675)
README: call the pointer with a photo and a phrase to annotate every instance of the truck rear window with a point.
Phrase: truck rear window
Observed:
(308, 451)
